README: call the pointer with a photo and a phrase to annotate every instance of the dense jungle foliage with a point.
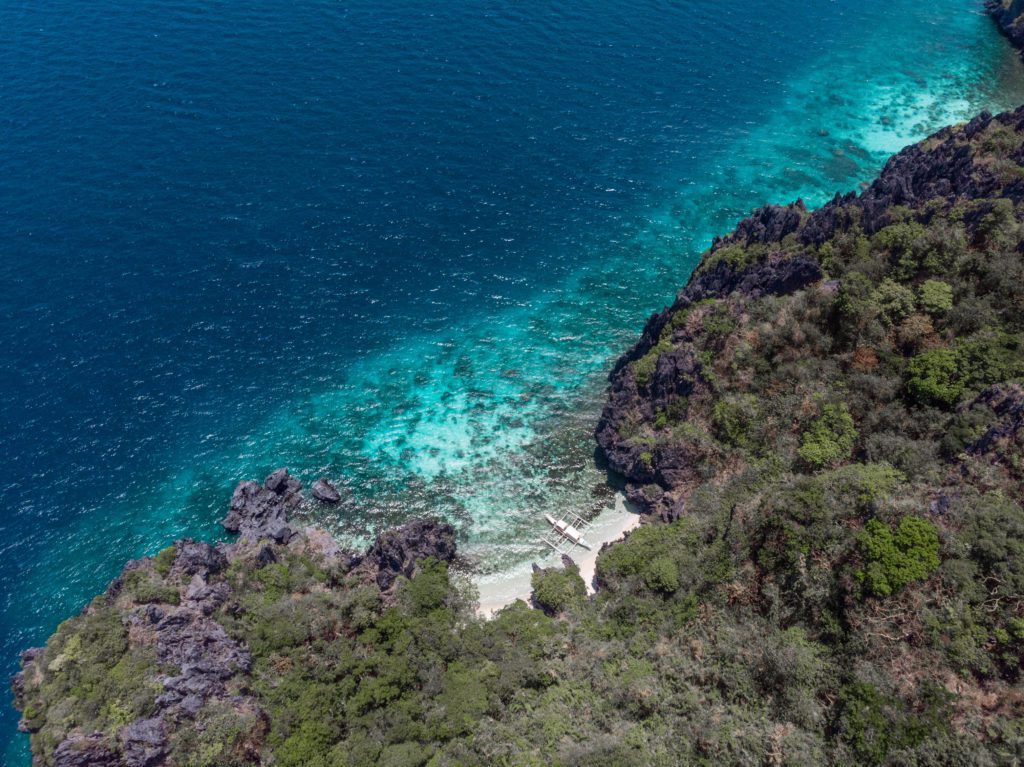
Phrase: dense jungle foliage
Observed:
(841, 580)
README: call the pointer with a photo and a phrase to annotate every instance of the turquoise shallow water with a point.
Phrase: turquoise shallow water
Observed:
(400, 246)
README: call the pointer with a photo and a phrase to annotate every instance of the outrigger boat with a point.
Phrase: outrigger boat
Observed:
(566, 532)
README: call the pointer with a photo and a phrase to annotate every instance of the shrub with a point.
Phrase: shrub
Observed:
(830, 437)
(936, 297)
(894, 300)
(163, 561)
(429, 588)
(933, 377)
(662, 575)
(556, 590)
(145, 587)
(892, 560)
(915, 332)
(733, 418)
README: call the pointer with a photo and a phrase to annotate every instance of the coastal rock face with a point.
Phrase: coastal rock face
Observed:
(178, 625)
(674, 374)
(1009, 17)
(198, 558)
(261, 511)
(397, 550)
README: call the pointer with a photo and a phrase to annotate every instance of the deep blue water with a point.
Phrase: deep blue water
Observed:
(395, 243)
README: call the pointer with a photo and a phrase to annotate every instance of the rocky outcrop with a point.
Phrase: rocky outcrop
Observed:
(198, 558)
(86, 751)
(773, 252)
(1007, 404)
(1009, 17)
(775, 275)
(766, 224)
(144, 742)
(396, 551)
(174, 604)
(261, 511)
(943, 166)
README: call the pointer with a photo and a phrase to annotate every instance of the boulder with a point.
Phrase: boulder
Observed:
(325, 492)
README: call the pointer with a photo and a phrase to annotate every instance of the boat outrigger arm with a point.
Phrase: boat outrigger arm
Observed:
(566, 532)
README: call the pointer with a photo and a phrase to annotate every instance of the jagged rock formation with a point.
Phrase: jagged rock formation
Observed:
(167, 615)
(772, 252)
(1009, 17)
(396, 551)
(261, 511)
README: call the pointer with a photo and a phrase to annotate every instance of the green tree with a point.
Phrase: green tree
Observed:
(894, 559)
(933, 377)
(830, 437)
(936, 297)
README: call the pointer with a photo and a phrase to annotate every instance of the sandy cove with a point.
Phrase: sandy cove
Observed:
(498, 590)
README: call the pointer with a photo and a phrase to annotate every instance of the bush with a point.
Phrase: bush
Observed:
(933, 377)
(894, 300)
(892, 560)
(662, 575)
(163, 561)
(733, 420)
(830, 437)
(556, 590)
(145, 587)
(936, 297)
(429, 588)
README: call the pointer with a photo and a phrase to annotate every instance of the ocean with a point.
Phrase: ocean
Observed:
(397, 244)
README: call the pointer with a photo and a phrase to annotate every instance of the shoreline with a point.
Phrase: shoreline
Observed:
(500, 589)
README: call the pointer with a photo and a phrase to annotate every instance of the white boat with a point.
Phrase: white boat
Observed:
(566, 530)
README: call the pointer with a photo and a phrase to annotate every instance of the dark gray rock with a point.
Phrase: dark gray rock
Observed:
(86, 751)
(776, 275)
(397, 550)
(261, 511)
(1007, 16)
(198, 557)
(266, 557)
(202, 651)
(325, 492)
(767, 224)
(144, 742)
(187, 638)
(205, 596)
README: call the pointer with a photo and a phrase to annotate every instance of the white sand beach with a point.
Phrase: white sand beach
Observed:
(497, 590)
